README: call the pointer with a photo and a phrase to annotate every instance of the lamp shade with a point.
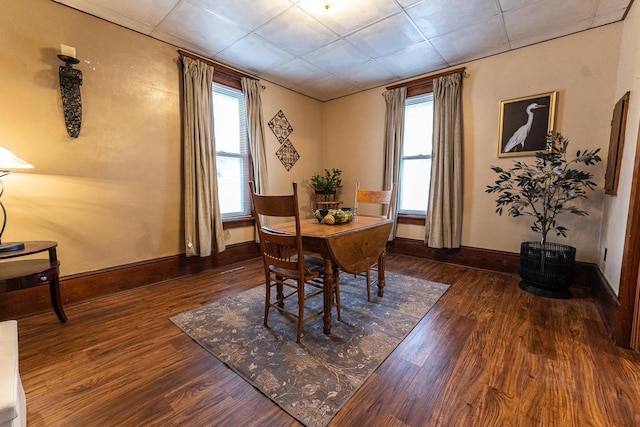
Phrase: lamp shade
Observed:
(8, 160)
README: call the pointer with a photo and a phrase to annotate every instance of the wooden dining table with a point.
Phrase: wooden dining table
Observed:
(353, 247)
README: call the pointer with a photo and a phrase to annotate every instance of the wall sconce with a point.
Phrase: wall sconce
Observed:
(8, 161)
(70, 82)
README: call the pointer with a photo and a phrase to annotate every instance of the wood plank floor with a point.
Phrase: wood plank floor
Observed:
(488, 354)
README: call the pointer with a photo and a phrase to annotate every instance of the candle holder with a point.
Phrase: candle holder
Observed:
(70, 82)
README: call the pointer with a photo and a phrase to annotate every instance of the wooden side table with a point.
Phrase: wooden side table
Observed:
(22, 274)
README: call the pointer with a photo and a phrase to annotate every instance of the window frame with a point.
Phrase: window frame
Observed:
(244, 155)
(409, 216)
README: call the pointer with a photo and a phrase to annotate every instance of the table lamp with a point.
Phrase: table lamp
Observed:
(8, 161)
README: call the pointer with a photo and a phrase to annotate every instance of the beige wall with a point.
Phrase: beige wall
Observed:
(305, 116)
(616, 207)
(353, 127)
(581, 67)
(112, 196)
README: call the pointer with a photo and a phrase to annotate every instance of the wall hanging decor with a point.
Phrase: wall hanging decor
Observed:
(288, 155)
(280, 127)
(616, 145)
(525, 123)
(70, 82)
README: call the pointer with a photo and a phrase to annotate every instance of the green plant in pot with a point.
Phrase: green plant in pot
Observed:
(327, 183)
(544, 191)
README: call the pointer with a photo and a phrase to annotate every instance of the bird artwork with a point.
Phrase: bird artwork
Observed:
(519, 136)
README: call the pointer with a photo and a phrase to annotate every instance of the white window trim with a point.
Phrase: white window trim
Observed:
(411, 101)
(244, 154)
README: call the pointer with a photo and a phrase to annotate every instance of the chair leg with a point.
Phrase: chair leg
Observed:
(280, 291)
(267, 302)
(300, 311)
(336, 292)
(368, 273)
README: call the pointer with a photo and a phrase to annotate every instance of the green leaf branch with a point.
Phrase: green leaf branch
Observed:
(327, 183)
(546, 189)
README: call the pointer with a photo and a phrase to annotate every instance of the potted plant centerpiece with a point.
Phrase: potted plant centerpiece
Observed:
(326, 185)
(544, 191)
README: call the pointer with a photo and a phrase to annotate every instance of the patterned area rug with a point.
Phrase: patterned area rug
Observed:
(312, 381)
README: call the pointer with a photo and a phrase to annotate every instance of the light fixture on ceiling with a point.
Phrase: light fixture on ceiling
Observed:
(332, 6)
(9, 161)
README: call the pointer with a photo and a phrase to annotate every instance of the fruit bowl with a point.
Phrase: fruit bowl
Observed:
(332, 216)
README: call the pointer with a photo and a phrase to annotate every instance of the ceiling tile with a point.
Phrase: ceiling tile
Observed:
(253, 54)
(608, 17)
(336, 56)
(148, 12)
(417, 59)
(326, 88)
(407, 3)
(387, 36)
(201, 27)
(183, 44)
(296, 32)
(476, 41)
(367, 75)
(249, 14)
(347, 16)
(133, 16)
(293, 73)
(610, 11)
(439, 17)
(551, 33)
(546, 14)
(606, 6)
(506, 5)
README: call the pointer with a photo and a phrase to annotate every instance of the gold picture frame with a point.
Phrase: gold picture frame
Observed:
(524, 124)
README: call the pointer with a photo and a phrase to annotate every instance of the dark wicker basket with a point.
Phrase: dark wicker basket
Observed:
(547, 269)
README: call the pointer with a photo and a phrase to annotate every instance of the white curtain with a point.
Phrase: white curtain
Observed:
(255, 122)
(394, 134)
(203, 225)
(444, 218)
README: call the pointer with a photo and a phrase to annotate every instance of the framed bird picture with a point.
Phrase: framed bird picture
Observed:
(524, 124)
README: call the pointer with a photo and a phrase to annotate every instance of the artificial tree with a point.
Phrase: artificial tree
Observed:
(545, 190)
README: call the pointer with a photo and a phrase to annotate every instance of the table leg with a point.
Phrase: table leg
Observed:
(381, 281)
(54, 288)
(328, 293)
(56, 299)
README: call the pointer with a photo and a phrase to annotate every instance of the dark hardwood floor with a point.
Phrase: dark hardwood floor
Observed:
(488, 354)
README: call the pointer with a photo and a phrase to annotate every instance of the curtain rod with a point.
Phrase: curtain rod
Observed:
(218, 66)
(428, 79)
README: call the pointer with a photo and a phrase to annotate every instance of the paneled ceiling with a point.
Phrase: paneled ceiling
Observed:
(353, 45)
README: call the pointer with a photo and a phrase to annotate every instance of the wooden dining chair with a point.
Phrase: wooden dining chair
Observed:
(286, 267)
(377, 197)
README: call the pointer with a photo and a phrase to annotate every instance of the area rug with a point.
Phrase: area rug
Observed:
(313, 380)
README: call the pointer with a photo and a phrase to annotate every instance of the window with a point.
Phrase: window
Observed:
(415, 167)
(232, 151)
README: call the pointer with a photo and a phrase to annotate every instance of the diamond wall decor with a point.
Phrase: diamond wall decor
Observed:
(280, 126)
(287, 154)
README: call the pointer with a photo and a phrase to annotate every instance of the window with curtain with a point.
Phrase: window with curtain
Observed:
(232, 151)
(415, 168)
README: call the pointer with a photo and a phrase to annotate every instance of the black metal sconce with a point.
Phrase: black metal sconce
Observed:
(70, 82)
